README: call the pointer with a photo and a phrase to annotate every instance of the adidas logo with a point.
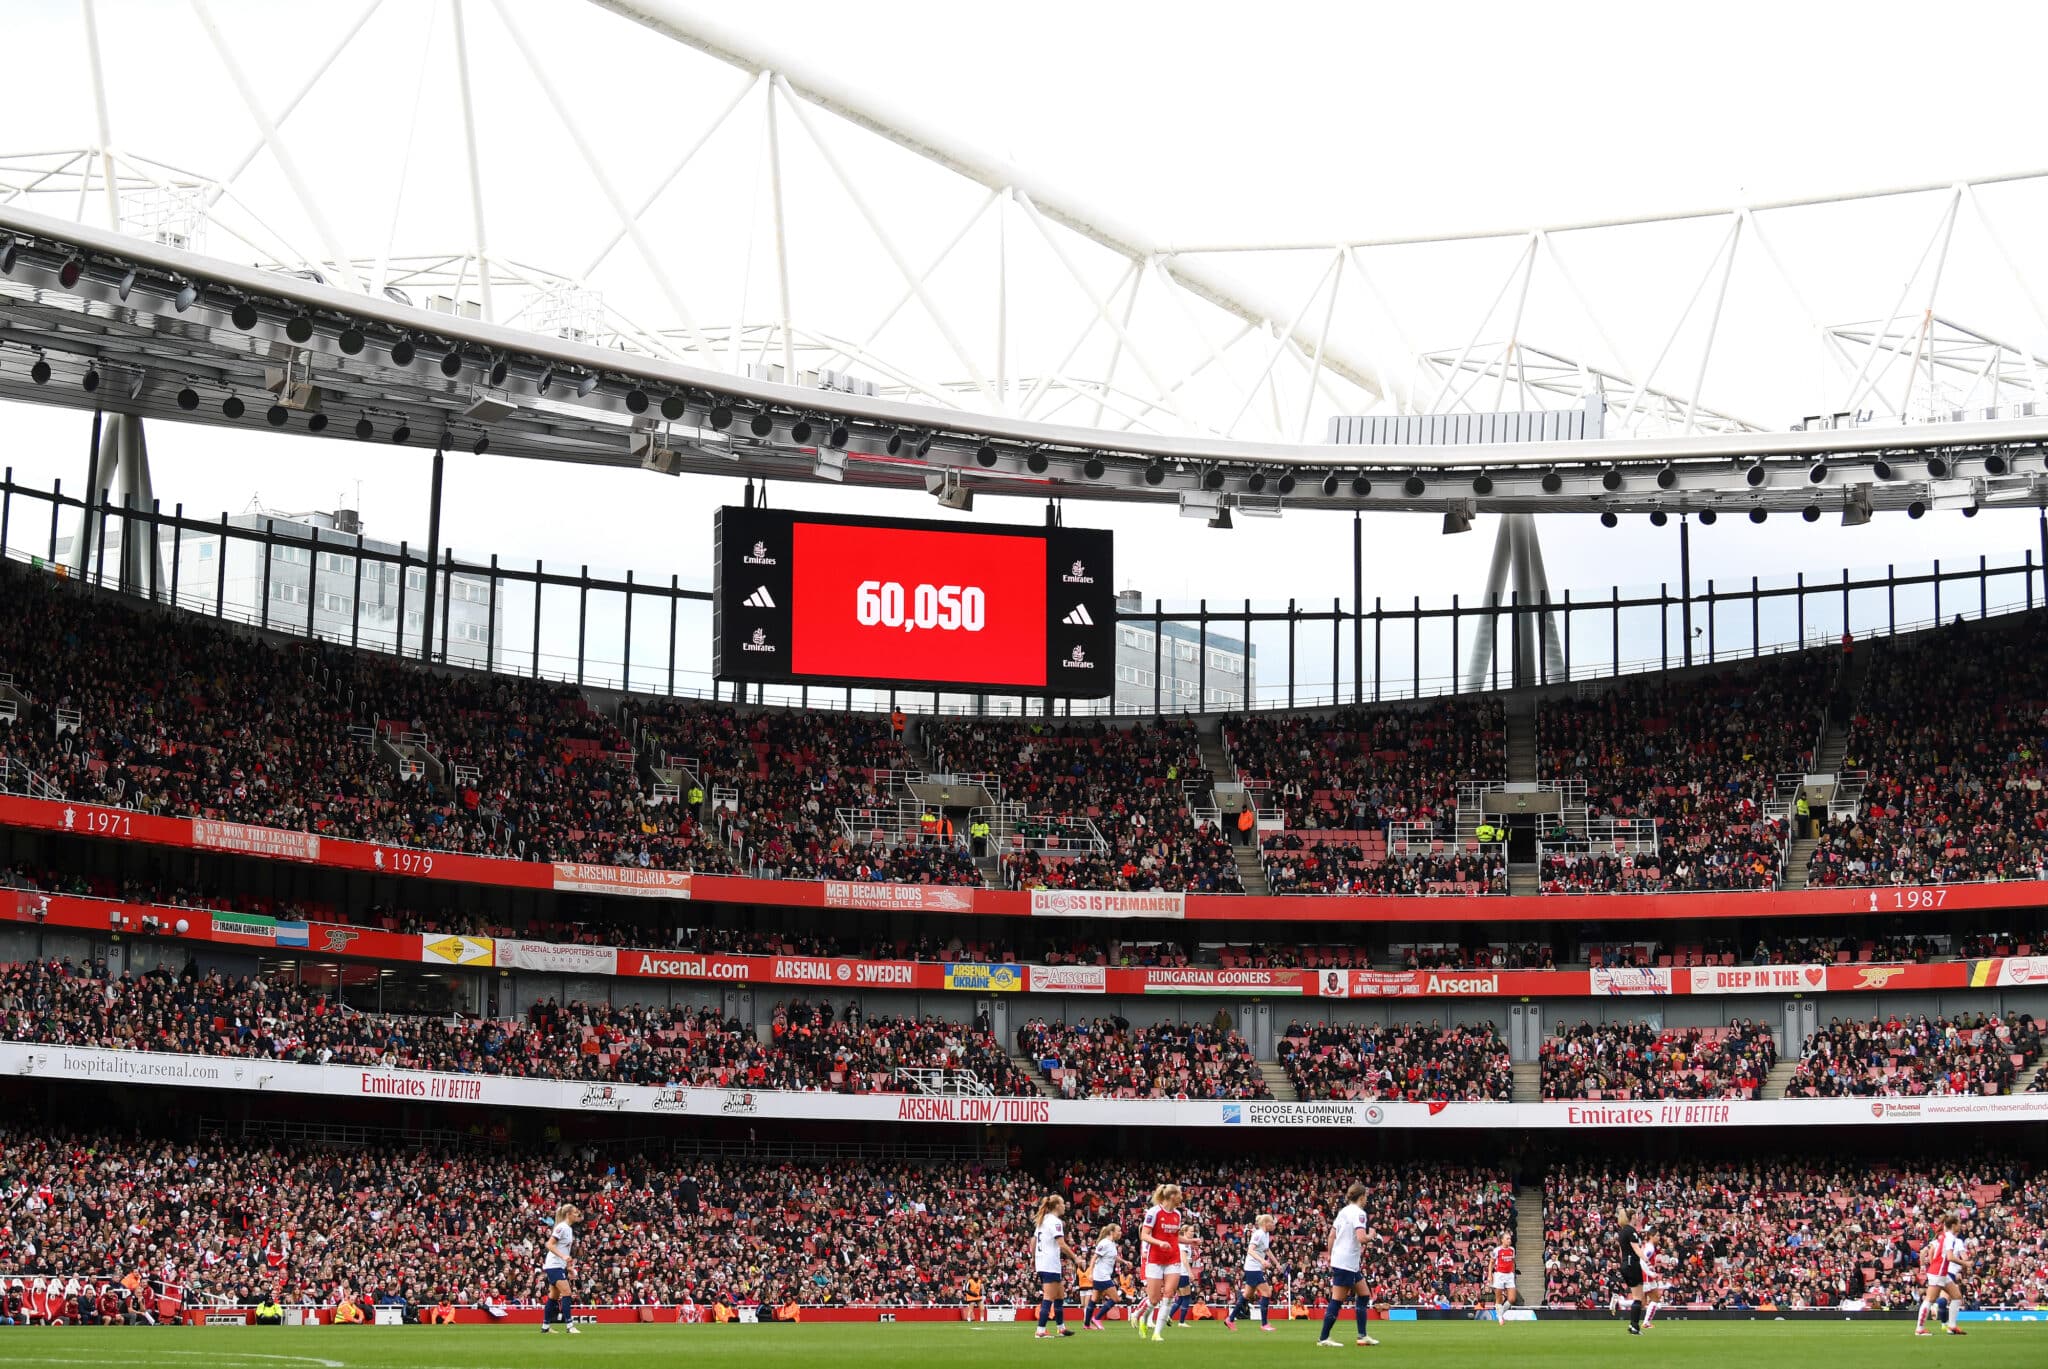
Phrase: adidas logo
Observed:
(760, 598)
(1079, 617)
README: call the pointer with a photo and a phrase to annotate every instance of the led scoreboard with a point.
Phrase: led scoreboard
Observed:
(809, 598)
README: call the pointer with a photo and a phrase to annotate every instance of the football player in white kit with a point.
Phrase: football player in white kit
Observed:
(1101, 1277)
(1052, 1255)
(1503, 1277)
(1346, 1252)
(1258, 1253)
(1944, 1256)
(1654, 1282)
(554, 1269)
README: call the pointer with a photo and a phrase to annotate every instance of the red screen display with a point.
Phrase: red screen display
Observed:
(911, 604)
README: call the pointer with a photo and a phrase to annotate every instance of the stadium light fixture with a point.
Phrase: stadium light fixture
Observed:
(499, 369)
(188, 399)
(317, 423)
(1755, 475)
(1285, 484)
(243, 315)
(482, 444)
(1608, 520)
(127, 284)
(451, 363)
(761, 424)
(1817, 474)
(1811, 513)
(1553, 481)
(1667, 478)
(401, 434)
(1610, 479)
(1155, 473)
(1414, 486)
(404, 350)
(349, 339)
(1093, 468)
(898, 441)
(1916, 509)
(720, 417)
(586, 385)
(636, 400)
(1994, 463)
(70, 271)
(232, 406)
(674, 406)
(1256, 482)
(1330, 483)
(1970, 512)
(924, 446)
(1759, 514)
(300, 328)
(365, 429)
(1658, 518)
(1937, 467)
(1036, 461)
(840, 438)
(1881, 469)
(1360, 486)
(800, 432)
(187, 296)
(277, 415)
(1212, 479)
(984, 455)
(40, 371)
(1482, 483)
(1708, 518)
(10, 253)
(547, 378)
(91, 381)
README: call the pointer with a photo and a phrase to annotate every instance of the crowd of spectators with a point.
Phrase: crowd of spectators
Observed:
(1795, 1233)
(1129, 782)
(176, 715)
(808, 1047)
(1295, 866)
(1637, 1061)
(1697, 753)
(231, 1220)
(1916, 1055)
(1109, 1058)
(1949, 729)
(789, 774)
(1404, 1062)
(1361, 768)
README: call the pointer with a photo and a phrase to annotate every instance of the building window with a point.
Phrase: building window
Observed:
(290, 556)
(412, 620)
(288, 594)
(473, 591)
(1183, 651)
(416, 579)
(336, 563)
(471, 632)
(335, 603)
(1136, 637)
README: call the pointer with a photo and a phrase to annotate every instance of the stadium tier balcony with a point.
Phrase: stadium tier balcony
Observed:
(1697, 753)
(1789, 1232)
(1407, 1062)
(1917, 1055)
(1132, 785)
(1950, 727)
(1108, 1058)
(1633, 1060)
(809, 1048)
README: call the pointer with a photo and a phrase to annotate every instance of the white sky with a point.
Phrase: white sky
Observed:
(1191, 121)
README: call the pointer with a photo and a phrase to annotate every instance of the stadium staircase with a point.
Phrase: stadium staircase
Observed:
(1523, 875)
(1277, 1081)
(1029, 1069)
(2027, 1077)
(1780, 1078)
(1528, 1082)
(990, 865)
(1829, 751)
(1251, 871)
(1528, 1244)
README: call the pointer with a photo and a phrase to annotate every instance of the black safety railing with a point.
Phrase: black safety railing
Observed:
(648, 637)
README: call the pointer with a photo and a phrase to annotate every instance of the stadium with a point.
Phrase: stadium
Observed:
(645, 694)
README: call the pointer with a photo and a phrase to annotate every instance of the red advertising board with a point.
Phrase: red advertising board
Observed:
(121, 825)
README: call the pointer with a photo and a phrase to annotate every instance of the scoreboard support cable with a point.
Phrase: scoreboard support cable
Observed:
(830, 599)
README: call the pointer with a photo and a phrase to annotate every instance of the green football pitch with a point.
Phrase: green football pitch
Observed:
(1438, 1345)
